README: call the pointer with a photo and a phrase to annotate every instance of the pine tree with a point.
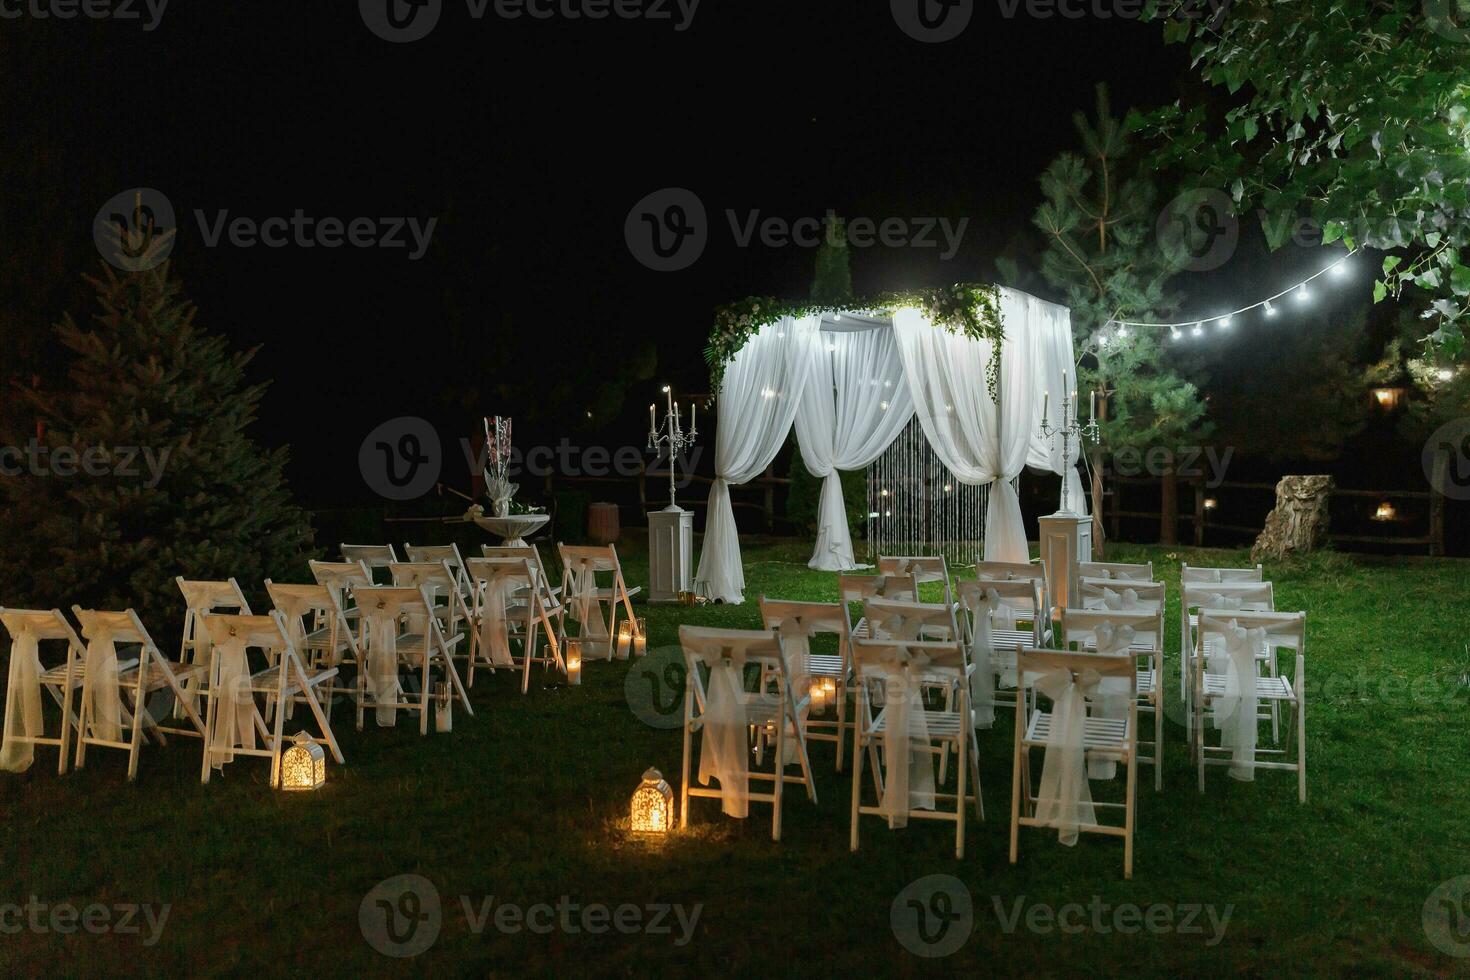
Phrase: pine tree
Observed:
(1098, 222)
(833, 280)
(142, 469)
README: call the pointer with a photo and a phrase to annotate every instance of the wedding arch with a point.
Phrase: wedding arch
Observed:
(973, 363)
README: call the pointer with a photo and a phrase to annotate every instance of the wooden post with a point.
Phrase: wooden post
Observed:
(1436, 502)
(1099, 540)
(1199, 512)
(1169, 504)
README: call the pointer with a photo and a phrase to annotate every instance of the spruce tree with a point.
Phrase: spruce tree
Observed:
(1098, 223)
(138, 467)
(832, 282)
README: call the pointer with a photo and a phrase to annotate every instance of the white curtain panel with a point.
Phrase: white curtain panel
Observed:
(856, 403)
(1055, 324)
(762, 389)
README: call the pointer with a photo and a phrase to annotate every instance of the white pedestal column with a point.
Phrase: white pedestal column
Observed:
(670, 553)
(1066, 539)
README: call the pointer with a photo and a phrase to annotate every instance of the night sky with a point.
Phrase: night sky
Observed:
(529, 141)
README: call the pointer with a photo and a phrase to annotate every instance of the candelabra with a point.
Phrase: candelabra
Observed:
(1068, 428)
(671, 433)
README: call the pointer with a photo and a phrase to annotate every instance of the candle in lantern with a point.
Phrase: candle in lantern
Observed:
(625, 639)
(574, 661)
(1093, 413)
(640, 636)
(693, 408)
(652, 421)
(1045, 406)
(818, 695)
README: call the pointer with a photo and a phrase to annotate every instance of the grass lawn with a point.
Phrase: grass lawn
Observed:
(526, 803)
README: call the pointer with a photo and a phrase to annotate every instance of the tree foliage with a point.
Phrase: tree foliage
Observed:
(1354, 112)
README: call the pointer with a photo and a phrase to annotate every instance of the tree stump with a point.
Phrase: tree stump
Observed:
(1299, 521)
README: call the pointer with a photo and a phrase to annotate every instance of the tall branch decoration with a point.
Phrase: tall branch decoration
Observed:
(497, 465)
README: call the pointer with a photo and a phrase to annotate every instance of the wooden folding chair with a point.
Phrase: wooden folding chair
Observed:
(906, 729)
(1081, 628)
(799, 623)
(924, 568)
(1123, 571)
(440, 583)
(1110, 738)
(447, 553)
(318, 628)
(1018, 619)
(1212, 682)
(386, 652)
(854, 590)
(25, 724)
(202, 596)
(1221, 598)
(372, 556)
(1006, 571)
(508, 599)
(234, 689)
(149, 673)
(1128, 595)
(709, 650)
(583, 597)
(550, 594)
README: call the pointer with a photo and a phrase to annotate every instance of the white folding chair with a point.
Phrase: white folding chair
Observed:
(1071, 733)
(509, 604)
(719, 707)
(233, 718)
(317, 626)
(1007, 571)
(109, 682)
(856, 589)
(998, 616)
(1128, 595)
(372, 556)
(1116, 570)
(1227, 684)
(1223, 598)
(1084, 627)
(441, 585)
(909, 734)
(443, 553)
(342, 577)
(1194, 574)
(25, 722)
(550, 594)
(203, 596)
(799, 623)
(924, 568)
(387, 653)
(583, 597)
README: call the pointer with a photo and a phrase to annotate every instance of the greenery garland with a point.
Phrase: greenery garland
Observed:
(971, 309)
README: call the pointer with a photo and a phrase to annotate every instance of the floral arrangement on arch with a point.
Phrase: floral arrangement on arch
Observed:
(971, 309)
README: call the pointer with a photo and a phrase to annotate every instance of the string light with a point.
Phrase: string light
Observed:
(1337, 269)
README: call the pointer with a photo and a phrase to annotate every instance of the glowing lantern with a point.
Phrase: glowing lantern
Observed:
(640, 636)
(574, 661)
(303, 765)
(652, 809)
(625, 639)
(1211, 503)
(1385, 512)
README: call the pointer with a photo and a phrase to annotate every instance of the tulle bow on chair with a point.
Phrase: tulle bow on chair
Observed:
(909, 783)
(724, 751)
(494, 635)
(382, 658)
(100, 688)
(1119, 601)
(25, 685)
(1063, 799)
(1112, 695)
(1234, 713)
(982, 652)
(235, 725)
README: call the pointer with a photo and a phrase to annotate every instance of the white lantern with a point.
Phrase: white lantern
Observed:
(574, 661)
(625, 639)
(652, 809)
(640, 636)
(303, 765)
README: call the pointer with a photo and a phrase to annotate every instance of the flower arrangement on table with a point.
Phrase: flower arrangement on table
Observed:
(497, 465)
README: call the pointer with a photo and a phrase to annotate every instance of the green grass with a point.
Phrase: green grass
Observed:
(527, 802)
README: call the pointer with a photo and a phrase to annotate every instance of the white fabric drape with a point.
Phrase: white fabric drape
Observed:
(24, 719)
(855, 404)
(1057, 374)
(382, 657)
(724, 749)
(234, 725)
(1234, 713)
(587, 611)
(908, 763)
(494, 631)
(762, 389)
(100, 689)
(1063, 799)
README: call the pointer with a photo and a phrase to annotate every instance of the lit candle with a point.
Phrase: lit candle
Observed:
(693, 410)
(1045, 406)
(652, 421)
(669, 392)
(574, 662)
(1093, 413)
(640, 637)
(625, 639)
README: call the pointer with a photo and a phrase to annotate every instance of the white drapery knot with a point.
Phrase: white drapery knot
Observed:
(1064, 800)
(494, 629)
(724, 750)
(382, 659)
(1234, 713)
(909, 783)
(982, 654)
(25, 719)
(1215, 600)
(100, 686)
(1127, 599)
(234, 703)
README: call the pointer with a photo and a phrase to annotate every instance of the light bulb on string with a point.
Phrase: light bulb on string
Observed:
(1340, 269)
(1302, 293)
(1270, 310)
(1122, 333)
(1225, 321)
(1198, 329)
(1174, 333)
